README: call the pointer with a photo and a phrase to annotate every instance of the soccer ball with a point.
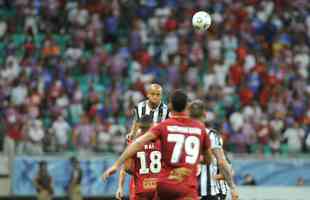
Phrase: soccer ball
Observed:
(201, 21)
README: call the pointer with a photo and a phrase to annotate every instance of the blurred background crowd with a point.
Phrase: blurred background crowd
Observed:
(72, 71)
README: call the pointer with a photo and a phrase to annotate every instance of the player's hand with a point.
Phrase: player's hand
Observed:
(234, 194)
(109, 172)
(119, 193)
(129, 136)
(219, 177)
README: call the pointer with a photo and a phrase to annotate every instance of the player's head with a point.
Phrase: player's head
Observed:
(74, 161)
(178, 101)
(196, 109)
(154, 94)
(144, 123)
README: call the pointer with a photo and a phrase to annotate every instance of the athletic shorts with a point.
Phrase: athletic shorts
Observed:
(132, 189)
(211, 197)
(175, 191)
(145, 196)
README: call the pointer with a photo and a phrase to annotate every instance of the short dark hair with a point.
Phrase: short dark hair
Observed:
(73, 160)
(42, 163)
(178, 101)
(196, 109)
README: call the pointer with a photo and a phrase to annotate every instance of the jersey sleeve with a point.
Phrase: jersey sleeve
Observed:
(215, 140)
(135, 114)
(157, 130)
(168, 114)
(207, 142)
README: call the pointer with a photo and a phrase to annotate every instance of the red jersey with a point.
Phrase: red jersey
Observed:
(182, 142)
(147, 166)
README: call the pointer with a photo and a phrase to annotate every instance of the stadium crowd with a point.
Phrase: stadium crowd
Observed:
(72, 71)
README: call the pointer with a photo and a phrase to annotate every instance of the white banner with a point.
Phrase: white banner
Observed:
(273, 193)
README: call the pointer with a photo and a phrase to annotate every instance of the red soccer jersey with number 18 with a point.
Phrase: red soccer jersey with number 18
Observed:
(147, 166)
(182, 142)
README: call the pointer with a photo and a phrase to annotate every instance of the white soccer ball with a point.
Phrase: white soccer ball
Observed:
(201, 21)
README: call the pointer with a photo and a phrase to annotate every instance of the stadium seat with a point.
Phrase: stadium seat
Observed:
(18, 39)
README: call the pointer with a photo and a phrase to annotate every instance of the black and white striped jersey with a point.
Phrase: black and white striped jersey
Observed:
(159, 114)
(209, 186)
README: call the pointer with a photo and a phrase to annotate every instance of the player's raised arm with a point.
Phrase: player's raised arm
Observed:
(225, 170)
(134, 126)
(218, 153)
(213, 142)
(133, 148)
(121, 181)
(223, 164)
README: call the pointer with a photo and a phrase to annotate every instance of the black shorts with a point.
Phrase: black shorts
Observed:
(214, 197)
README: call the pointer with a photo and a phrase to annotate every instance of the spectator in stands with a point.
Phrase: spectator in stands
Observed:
(276, 128)
(61, 129)
(13, 137)
(84, 136)
(117, 142)
(75, 109)
(294, 136)
(49, 142)
(11, 69)
(54, 56)
(103, 136)
(34, 134)
(43, 182)
(19, 93)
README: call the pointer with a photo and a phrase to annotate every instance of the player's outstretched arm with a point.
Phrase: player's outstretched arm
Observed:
(131, 150)
(134, 126)
(225, 170)
(121, 181)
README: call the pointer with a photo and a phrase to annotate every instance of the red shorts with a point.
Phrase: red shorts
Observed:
(132, 191)
(133, 195)
(145, 196)
(175, 191)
